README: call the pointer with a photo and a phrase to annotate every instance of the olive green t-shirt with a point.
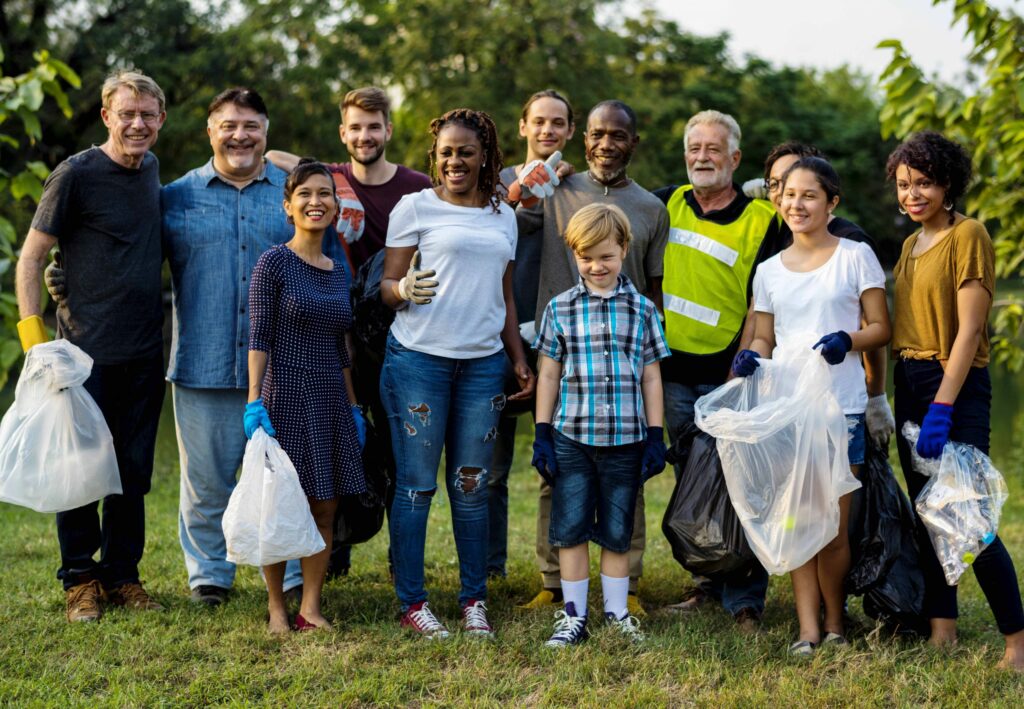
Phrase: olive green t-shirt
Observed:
(925, 322)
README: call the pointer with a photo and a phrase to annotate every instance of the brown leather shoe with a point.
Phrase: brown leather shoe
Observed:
(692, 600)
(134, 596)
(85, 602)
(748, 621)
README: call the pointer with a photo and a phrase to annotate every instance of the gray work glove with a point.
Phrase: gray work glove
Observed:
(416, 285)
(879, 420)
(53, 276)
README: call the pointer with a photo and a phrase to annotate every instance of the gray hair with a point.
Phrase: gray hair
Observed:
(712, 117)
(133, 80)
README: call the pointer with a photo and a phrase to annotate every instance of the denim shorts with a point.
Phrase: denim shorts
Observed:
(855, 431)
(594, 494)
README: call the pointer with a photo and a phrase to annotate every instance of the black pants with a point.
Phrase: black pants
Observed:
(916, 384)
(130, 396)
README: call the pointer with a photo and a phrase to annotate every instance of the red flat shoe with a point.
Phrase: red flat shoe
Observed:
(301, 624)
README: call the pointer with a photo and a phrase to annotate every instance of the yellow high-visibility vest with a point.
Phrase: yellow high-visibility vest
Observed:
(707, 267)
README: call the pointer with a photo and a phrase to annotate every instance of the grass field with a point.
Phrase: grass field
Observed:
(189, 656)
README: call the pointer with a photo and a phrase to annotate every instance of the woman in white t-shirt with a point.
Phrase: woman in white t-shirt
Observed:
(825, 286)
(448, 274)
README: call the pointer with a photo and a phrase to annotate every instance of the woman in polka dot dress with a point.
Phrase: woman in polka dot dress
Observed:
(300, 387)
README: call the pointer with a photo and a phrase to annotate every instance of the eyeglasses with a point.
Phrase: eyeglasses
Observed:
(773, 185)
(128, 117)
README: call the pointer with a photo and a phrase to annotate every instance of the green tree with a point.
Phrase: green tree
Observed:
(989, 120)
(21, 179)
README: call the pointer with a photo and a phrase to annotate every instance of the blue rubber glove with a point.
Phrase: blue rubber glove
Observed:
(544, 453)
(935, 430)
(255, 417)
(653, 461)
(360, 420)
(745, 362)
(834, 346)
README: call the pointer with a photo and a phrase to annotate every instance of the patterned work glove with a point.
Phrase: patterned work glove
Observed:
(653, 461)
(537, 180)
(834, 346)
(256, 416)
(935, 430)
(544, 453)
(745, 363)
(351, 219)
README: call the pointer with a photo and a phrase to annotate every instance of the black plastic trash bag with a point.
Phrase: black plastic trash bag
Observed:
(371, 317)
(884, 559)
(360, 517)
(700, 524)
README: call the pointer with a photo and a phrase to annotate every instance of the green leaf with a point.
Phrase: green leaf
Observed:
(890, 44)
(32, 127)
(31, 93)
(4, 138)
(25, 184)
(38, 169)
(66, 73)
(7, 233)
(10, 351)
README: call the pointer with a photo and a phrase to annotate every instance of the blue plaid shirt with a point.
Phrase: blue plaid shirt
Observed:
(603, 344)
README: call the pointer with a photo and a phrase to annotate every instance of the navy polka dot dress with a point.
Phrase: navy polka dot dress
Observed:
(299, 314)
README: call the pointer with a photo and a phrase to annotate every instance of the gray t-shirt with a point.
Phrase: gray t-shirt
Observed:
(648, 220)
(106, 219)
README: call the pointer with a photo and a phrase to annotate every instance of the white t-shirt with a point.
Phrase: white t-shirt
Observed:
(470, 248)
(810, 305)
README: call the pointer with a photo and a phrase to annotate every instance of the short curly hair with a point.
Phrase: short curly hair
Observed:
(938, 158)
(481, 124)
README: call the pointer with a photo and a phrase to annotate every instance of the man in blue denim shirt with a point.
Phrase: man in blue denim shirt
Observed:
(217, 221)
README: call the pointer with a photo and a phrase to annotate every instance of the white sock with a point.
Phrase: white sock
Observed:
(615, 591)
(575, 592)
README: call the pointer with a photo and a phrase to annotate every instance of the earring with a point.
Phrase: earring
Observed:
(902, 211)
(290, 219)
(947, 205)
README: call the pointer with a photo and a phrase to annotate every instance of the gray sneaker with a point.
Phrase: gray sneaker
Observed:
(628, 625)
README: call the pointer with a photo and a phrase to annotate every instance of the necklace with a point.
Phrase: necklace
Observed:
(622, 181)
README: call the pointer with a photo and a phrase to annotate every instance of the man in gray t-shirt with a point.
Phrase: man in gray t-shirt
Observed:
(103, 207)
(610, 141)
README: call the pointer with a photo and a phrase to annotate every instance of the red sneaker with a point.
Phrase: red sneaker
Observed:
(474, 619)
(419, 618)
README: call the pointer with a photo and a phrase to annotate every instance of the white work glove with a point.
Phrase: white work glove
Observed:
(755, 188)
(879, 420)
(536, 181)
(416, 285)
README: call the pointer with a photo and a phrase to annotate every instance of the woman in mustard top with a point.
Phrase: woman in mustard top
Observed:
(943, 295)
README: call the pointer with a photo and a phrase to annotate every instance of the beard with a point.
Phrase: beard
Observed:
(610, 174)
(718, 178)
(372, 158)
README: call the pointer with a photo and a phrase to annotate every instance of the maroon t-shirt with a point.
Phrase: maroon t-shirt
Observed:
(378, 201)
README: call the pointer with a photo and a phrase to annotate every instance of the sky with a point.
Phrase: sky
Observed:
(828, 33)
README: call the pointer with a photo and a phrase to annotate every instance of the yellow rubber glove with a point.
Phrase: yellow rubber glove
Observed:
(32, 332)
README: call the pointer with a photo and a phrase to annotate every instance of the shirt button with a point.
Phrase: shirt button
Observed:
(241, 310)
(239, 344)
(606, 353)
(243, 247)
(607, 379)
(243, 216)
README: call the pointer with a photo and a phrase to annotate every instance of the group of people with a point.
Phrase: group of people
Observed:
(603, 309)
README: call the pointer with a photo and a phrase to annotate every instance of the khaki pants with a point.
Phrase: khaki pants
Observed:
(547, 555)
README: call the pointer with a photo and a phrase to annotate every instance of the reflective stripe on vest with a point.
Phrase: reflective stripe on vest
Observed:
(707, 268)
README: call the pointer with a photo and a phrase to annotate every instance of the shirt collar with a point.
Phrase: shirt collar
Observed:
(623, 286)
(269, 173)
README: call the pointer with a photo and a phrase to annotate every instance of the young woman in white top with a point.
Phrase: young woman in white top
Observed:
(448, 273)
(827, 286)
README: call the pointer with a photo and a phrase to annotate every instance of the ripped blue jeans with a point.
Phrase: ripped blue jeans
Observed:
(433, 403)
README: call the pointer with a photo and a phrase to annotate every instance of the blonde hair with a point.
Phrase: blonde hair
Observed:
(369, 98)
(136, 82)
(594, 223)
(715, 118)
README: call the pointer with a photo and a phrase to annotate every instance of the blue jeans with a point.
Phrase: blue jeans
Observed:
(594, 494)
(738, 590)
(856, 438)
(130, 396)
(211, 444)
(916, 383)
(433, 403)
(497, 496)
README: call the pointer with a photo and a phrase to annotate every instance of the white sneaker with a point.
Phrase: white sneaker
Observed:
(474, 620)
(419, 618)
(570, 629)
(628, 625)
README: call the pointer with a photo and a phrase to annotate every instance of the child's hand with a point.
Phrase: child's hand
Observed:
(544, 453)
(653, 461)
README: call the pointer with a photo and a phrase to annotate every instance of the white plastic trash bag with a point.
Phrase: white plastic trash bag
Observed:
(782, 439)
(56, 452)
(960, 504)
(267, 519)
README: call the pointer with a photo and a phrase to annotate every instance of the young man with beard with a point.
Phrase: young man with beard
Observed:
(714, 246)
(547, 125)
(378, 184)
(610, 141)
